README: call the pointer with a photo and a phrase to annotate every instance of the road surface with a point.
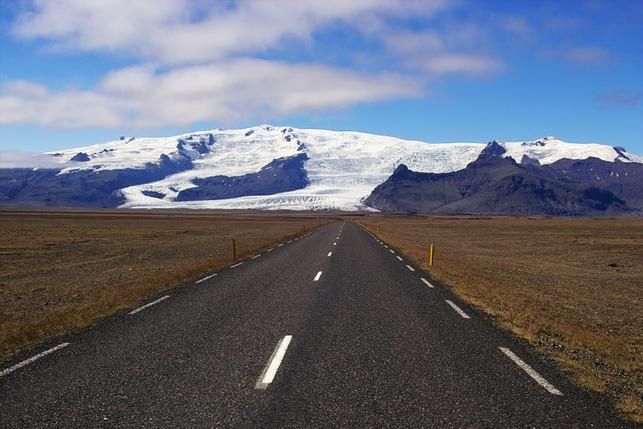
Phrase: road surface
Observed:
(334, 329)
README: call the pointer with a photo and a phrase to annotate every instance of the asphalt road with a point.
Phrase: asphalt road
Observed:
(330, 330)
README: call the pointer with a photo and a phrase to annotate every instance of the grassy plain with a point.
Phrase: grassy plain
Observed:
(571, 287)
(62, 270)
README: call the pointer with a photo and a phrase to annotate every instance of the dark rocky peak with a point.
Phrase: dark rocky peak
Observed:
(287, 162)
(493, 149)
(249, 133)
(540, 142)
(80, 157)
(620, 150)
(402, 172)
(529, 161)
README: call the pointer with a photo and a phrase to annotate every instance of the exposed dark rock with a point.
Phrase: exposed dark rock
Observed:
(280, 175)
(153, 194)
(529, 161)
(624, 179)
(81, 188)
(620, 150)
(496, 185)
(80, 157)
(249, 133)
(493, 148)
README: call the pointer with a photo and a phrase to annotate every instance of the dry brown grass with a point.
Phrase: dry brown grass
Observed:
(571, 287)
(60, 271)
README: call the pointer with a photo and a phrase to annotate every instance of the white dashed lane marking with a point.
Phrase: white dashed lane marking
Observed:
(317, 276)
(32, 359)
(457, 309)
(426, 282)
(149, 305)
(532, 372)
(270, 371)
(205, 278)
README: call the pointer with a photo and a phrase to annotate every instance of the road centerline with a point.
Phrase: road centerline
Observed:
(268, 374)
(317, 276)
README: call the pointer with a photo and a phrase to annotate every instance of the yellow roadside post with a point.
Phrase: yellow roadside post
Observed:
(431, 255)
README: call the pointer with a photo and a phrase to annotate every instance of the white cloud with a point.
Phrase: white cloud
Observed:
(184, 31)
(216, 92)
(200, 65)
(446, 63)
(21, 159)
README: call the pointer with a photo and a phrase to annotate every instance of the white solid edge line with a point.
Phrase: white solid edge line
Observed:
(532, 372)
(268, 374)
(205, 278)
(426, 282)
(280, 244)
(256, 256)
(31, 359)
(317, 276)
(391, 250)
(457, 309)
(398, 258)
(330, 253)
(410, 268)
(149, 304)
(270, 250)
(236, 265)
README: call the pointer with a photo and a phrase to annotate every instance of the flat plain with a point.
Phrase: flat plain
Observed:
(572, 287)
(62, 270)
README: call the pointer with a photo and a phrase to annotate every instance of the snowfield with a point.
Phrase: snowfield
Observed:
(343, 167)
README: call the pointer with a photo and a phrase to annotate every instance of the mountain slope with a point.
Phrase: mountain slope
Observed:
(493, 184)
(340, 168)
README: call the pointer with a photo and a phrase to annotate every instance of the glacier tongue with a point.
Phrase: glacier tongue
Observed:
(343, 167)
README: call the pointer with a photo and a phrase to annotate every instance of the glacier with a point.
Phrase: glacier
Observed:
(343, 167)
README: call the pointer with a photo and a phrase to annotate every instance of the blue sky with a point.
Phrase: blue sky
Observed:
(76, 72)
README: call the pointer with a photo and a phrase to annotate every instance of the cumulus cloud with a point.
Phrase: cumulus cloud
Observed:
(198, 59)
(183, 31)
(223, 91)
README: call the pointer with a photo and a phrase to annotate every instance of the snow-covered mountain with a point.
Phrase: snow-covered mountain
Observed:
(324, 169)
